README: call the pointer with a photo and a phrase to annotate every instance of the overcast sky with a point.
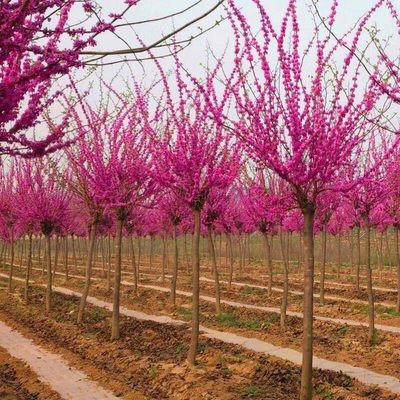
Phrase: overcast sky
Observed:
(218, 38)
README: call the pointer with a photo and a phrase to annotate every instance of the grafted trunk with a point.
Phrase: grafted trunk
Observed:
(323, 266)
(88, 274)
(306, 371)
(117, 282)
(10, 277)
(214, 271)
(191, 358)
(268, 260)
(28, 268)
(175, 268)
(371, 310)
(49, 275)
(285, 281)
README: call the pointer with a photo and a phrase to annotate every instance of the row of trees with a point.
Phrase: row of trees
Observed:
(318, 143)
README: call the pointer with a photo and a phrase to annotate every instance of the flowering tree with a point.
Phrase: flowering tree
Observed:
(304, 132)
(192, 155)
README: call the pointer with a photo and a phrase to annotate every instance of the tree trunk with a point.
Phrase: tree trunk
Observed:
(109, 263)
(339, 254)
(397, 252)
(191, 357)
(66, 265)
(186, 253)
(323, 266)
(371, 311)
(88, 275)
(358, 264)
(55, 256)
(306, 371)
(164, 259)
(151, 251)
(117, 282)
(28, 268)
(10, 277)
(230, 250)
(134, 268)
(175, 269)
(49, 276)
(21, 259)
(267, 249)
(285, 282)
(139, 257)
(214, 271)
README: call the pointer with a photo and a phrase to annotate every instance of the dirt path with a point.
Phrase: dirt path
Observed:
(51, 368)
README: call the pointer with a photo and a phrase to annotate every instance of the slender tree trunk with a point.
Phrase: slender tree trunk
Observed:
(397, 252)
(285, 281)
(230, 251)
(134, 267)
(267, 249)
(151, 251)
(103, 256)
(10, 278)
(214, 271)
(55, 256)
(139, 257)
(49, 275)
(339, 254)
(109, 263)
(175, 269)
(39, 250)
(306, 371)
(117, 282)
(88, 275)
(371, 310)
(66, 264)
(191, 357)
(164, 259)
(22, 252)
(323, 266)
(186, 253)
(380, 255)
(28, 268)
(351, 243)
(358, 265)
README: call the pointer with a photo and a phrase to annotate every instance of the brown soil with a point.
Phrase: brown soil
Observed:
(19, 382)
(149, 357)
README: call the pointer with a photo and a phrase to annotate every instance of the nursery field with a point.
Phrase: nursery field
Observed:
(199, 200)
(245, 350)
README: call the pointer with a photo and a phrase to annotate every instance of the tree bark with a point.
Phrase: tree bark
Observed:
(66, 265)
(371, 311)
(117, 282)
(323, 266)
(214, 271)
(267, 250)
(109, 263)
(175, 269)
(285, 281)
(191, 357)
(397, 252)
(88, 274)
(134, 268)
(306, 371)
(358, 264)
(10, 277)
(49, 275)
(28, 268)
(230, 250)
